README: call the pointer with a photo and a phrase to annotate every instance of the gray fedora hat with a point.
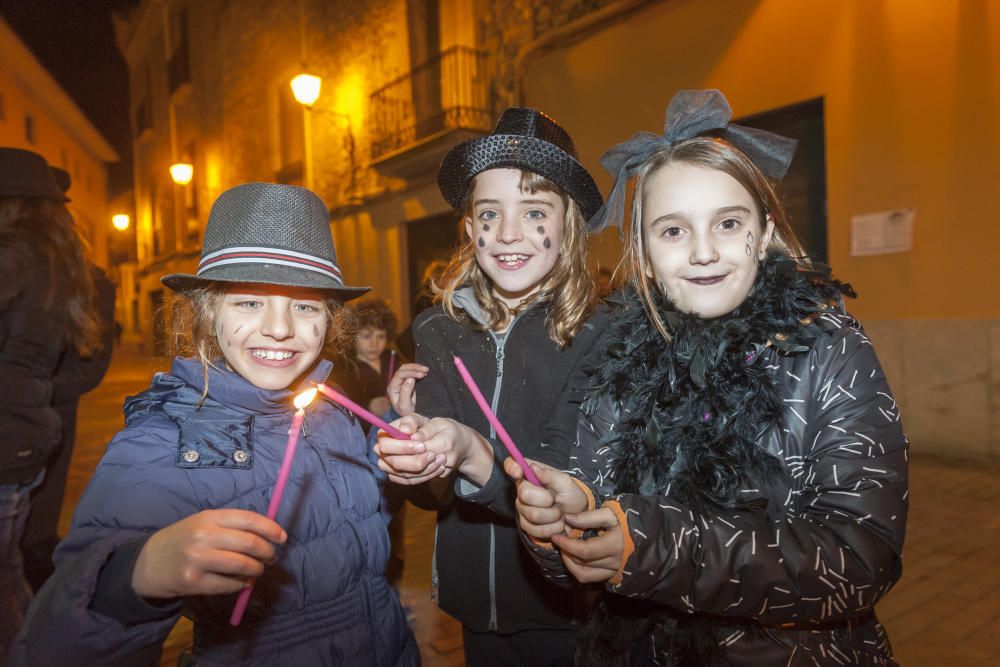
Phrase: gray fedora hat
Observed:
(268, 234)
(27, 174)
(526, 139)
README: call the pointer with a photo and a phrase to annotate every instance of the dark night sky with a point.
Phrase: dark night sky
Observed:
(74, 40)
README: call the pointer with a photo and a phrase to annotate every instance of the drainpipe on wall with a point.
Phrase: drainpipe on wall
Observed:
(572, 32)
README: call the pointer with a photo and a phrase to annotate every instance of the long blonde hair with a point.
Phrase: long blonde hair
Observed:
(706, 153)
(569, 285)
(193, 315)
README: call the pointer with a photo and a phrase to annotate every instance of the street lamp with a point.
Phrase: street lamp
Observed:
(120, 221)
(181, 172)
(305, 88)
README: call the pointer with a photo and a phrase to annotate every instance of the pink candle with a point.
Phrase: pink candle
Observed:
(301, 401)
(529, 474)
(337, 397)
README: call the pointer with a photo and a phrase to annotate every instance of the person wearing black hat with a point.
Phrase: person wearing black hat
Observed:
(46, 314)
(74, 377)
(741, 477)
(172, 522)
(518, 306)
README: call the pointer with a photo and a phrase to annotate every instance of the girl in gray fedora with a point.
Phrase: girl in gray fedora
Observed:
(172, 521)
(517, 304)
(740, 477)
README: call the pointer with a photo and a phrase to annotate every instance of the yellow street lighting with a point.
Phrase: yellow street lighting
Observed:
(182, 173)
(120, 221)
(305, 88)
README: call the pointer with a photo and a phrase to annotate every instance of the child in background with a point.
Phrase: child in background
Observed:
(364, 372)
(517, 305)
(740, 471)
(172, 521)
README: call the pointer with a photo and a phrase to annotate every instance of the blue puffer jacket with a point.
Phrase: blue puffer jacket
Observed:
(325, 601)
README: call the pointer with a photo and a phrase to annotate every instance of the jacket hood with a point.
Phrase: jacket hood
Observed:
(184, 384)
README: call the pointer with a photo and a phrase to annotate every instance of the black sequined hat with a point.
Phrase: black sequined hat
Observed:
(524, 139)
(268, 234)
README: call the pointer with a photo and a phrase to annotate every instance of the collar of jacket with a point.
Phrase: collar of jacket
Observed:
(465, 298)
(236, 392)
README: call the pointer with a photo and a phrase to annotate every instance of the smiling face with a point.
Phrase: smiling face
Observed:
(271, 335)
(703, 238)
(517, 235)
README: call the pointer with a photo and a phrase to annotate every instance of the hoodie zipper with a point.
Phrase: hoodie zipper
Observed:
(494, 402)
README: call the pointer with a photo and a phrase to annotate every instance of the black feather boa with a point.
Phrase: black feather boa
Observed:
(690, 413)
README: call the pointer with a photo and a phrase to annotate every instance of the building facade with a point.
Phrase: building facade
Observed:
(36, 114)
(402, 82)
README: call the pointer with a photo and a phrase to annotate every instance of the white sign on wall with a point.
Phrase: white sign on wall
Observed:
(882, 233)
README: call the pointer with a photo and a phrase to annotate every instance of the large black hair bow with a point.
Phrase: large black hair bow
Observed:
(691, 113)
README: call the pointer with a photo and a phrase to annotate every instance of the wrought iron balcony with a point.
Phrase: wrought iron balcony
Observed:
(449, 94)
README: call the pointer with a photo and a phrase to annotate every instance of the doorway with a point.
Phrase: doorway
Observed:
(803, 191)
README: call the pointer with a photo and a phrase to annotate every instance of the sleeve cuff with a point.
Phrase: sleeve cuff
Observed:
(577, 533)
(115, 597)
(629, 549)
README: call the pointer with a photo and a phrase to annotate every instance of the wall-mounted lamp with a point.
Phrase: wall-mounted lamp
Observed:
(181, 172)
(305, 88)
(120, 221)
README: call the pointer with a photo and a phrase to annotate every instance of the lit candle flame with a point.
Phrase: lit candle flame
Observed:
(305, 398)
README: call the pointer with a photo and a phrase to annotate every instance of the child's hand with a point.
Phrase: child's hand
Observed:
(599, 558)
(408, 461)
(542, 508)
(465, 450)
(403, 387)
(378, 405)
(208, 553)
(438, 447)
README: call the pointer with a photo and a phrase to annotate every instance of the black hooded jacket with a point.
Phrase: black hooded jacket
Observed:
(483, 576)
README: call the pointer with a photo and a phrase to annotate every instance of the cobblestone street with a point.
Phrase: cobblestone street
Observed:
(945, 611)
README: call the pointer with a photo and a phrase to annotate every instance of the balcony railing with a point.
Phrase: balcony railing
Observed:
(448, 92)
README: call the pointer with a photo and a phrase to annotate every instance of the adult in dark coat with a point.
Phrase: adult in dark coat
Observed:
(75, 376)
(46, 310)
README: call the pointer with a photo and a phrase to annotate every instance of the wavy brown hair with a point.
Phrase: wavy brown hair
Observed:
(43, 238)
(192, 316)
(569, 285)
(706, 153)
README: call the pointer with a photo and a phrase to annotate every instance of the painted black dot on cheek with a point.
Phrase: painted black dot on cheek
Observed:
(482, 243)
(547, 243)
(540, 229)
(486, 228)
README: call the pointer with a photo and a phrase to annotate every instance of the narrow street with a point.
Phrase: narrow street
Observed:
(946, 609)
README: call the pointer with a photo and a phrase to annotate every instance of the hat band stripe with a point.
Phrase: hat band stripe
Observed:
(266, 258)
(271, 251)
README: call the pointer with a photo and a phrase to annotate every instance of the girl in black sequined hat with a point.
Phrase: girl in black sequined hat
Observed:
(739, 479)
(517, 305)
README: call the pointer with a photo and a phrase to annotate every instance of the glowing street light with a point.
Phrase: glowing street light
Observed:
(305, 88)
(182, 173)
(120, 221)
